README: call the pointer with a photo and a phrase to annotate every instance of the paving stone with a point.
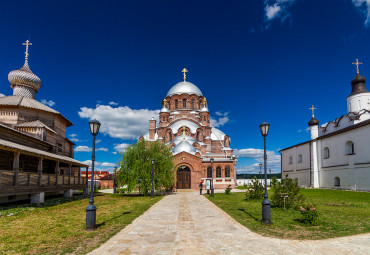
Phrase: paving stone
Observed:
(187, 223)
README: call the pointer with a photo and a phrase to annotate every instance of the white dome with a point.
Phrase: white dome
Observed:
(25, 77)
(180, 123)
(180, 138)
(204, 109)
(217, 135)
(184, 146)
(184, 87)
(164, 109)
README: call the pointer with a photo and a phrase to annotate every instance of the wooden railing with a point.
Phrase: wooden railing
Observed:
(11, 178)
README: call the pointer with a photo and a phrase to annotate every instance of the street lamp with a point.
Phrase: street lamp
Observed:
(91, 209)
(212, 190)
(261, 172)
(266, 204)
(152, 191)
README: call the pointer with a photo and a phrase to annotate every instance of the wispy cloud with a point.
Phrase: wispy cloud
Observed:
(101, 166)
(83, 148)
(121, 147)
(277, 9)
(273, 160)
(113, 103)
(222, 119)
(364, 7)
(49, 103)
(120, 122)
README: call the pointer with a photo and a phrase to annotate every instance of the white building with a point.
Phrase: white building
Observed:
(338, 154)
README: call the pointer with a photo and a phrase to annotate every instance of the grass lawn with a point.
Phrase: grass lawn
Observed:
(57, 228)
(343, 213)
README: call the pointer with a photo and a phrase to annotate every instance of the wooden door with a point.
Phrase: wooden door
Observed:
(183, 179)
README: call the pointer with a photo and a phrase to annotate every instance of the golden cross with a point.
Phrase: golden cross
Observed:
(164, 102)
(313, 110)
(357, 64)
(204, 102)
(184, 71)
(27, 43)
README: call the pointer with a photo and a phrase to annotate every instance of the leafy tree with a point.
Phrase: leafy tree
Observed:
(290, 188)
(135, 167)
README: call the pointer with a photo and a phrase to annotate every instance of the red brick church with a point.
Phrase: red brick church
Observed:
(184, 124)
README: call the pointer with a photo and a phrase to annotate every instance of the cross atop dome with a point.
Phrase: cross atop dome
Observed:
(313, 110)
(27, 43)
(184, 71)
(357, 64)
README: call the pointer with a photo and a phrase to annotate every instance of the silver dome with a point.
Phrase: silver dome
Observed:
(164, 109)
(180, 138)
(24, 76)
(184, 87)
(204, 109)
(184, 146)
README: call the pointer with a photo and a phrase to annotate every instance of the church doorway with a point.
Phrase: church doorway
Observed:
(183, 177)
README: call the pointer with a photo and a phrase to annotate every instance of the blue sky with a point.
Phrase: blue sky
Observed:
(255, 61)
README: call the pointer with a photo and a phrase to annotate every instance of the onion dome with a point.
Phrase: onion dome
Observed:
(313, 122)
(180, 138)
(204, 109)
(23, 81)
(358, 85)
(184, 146)
(184, 87)
(164, 109)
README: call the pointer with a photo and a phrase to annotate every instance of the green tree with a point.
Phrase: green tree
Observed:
(135, 167)
(289, 188)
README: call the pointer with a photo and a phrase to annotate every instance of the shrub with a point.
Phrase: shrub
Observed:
(310, 215)
(254, 190)
(228, 189)
(291, 189)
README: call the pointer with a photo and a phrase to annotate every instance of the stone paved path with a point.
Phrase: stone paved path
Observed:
(186, 223)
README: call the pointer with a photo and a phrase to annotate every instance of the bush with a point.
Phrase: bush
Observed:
(290, 188)
(310, 215)
(254, 190)
(228, 189)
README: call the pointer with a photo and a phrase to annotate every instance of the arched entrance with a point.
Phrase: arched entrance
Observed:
(183, 178)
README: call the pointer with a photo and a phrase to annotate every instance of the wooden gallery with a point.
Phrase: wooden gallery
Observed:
(36, 158)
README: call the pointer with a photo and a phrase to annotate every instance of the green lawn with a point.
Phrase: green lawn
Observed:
(343, 213)
(59, 228)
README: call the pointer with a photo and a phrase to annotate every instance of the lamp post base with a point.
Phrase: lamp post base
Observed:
(266, 211)
(152, 193)
(90, 217)
(212, 192)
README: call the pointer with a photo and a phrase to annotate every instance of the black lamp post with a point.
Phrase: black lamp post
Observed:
(266, 204)
(91, 209)
(261, 172)
(152, 191)
(212, 190)
(115, 180)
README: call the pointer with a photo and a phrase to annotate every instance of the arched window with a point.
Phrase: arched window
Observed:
(290, 160)
(184, 103)
(176, 104)
(199, 104)
(300, 158)
(350, 148)
(197, 136)
(169, 105)
(209, 172)
(218, 172)
(170, 136)
(227, 171)
(192, 103)
(336, 181)
(204, 118)
(326, 152)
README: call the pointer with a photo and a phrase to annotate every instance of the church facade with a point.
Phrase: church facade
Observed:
(338, 154)
(185, 125)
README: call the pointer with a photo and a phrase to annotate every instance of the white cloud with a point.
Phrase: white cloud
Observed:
(364, 7)
(73, 135)
(74, 139)
(2, 95)
(97, 141)
(222, 119)
(49, 103)
(273, 160)
(120, 122)
(121, 147)
(99, 164)
(277, 9)
(83, 148)
(113, 103)
(107, 164)
(299, 130)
